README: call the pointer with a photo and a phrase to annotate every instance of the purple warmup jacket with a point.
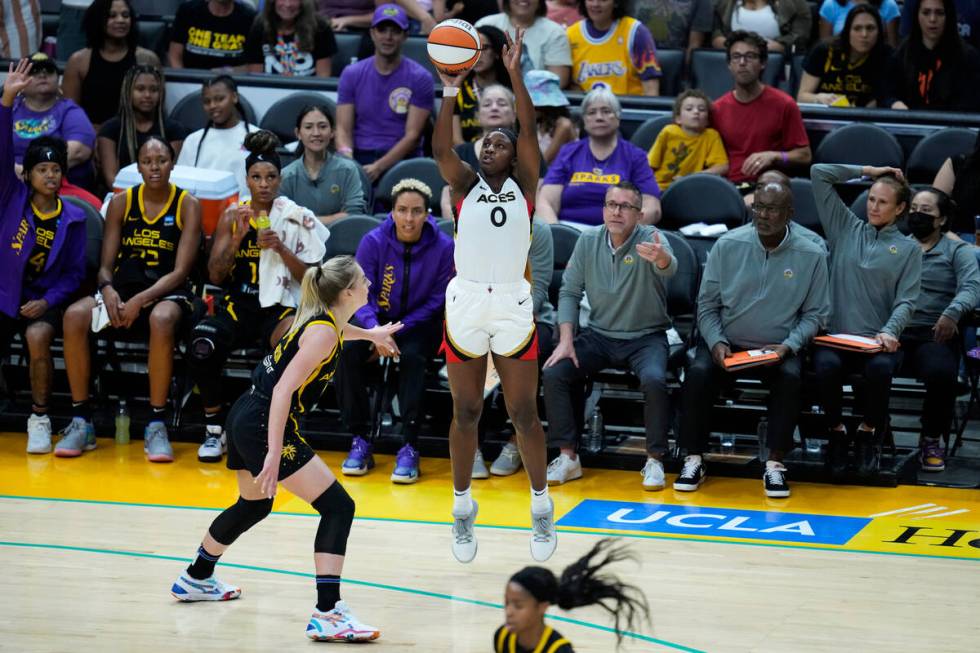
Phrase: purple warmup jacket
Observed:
(65, 268)
(408, 282)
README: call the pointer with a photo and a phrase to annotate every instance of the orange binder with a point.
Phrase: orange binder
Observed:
(848, 342)
(750, 358)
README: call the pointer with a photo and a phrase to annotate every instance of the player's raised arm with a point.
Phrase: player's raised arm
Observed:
(457, 174)
(528, 151)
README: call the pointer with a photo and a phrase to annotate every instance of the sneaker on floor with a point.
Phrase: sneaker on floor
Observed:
(38, 434)
(653, 475)
(464, 537)
(339, 625)
(563, 469)
(932, 458)
(774, 480)
(186, 588)
(78, 437)
(508, 462)
(544, 537)
(214, 445)
(156, 444)
(692, 475)
(360, 460)
(480, 470)
(406, 466)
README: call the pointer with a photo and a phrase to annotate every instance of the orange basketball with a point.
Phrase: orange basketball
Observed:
(454, 46)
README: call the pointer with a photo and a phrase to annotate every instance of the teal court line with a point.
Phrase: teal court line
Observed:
(363, 583)
(576, 531)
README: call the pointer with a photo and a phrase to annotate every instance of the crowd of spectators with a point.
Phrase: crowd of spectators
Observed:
(108, 111)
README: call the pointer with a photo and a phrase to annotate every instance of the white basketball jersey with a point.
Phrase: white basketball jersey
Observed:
(493, 233)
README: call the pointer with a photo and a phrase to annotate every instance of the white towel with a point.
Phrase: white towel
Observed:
(302, 234)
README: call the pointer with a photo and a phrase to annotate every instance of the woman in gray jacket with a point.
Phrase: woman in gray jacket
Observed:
(874, 284)
(950, 290)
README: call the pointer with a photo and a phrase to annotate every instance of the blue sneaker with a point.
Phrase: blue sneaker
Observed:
(359, 461)
(406, 466)
(78, 438)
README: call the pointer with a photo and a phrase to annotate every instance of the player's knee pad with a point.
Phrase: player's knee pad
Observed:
(238, 518)
(336, 509)
(209, 347)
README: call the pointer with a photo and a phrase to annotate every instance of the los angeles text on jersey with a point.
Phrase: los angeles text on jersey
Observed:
(147, 238)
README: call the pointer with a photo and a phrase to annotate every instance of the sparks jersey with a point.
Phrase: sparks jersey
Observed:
(45, 227)
(267, 374)
(493, 233)
(150, 240)
(551, 641)
(608, 59)
(245, 272)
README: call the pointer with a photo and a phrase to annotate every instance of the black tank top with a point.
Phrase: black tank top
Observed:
(148, 244)
(272, 367)
(102, 85)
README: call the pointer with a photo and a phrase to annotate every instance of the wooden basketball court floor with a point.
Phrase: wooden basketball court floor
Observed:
(89, 548)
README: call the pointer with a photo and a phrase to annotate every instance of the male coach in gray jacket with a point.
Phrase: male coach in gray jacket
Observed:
(622, 266)
(765, 287)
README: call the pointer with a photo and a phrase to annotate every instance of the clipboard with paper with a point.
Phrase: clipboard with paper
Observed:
(751, 358)
(848, 342)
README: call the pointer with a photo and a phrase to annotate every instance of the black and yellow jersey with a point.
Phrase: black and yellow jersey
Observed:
(45, 227)
(150, 241)
(245, 271)
(270, 370)
(504, 641)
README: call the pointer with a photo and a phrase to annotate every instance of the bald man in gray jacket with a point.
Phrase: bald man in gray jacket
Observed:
(765, 287)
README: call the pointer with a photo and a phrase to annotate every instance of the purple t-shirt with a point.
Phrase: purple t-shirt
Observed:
(585, 178)
(65, 119)
(381, 101)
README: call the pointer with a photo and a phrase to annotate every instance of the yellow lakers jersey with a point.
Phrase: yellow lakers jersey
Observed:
(606, 60)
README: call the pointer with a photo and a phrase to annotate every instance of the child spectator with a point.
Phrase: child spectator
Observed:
(289, 39)
(689, 146)
(555, 126)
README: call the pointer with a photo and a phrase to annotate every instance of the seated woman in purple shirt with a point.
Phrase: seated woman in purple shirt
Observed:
(43, 252)
(42, 110)
(575, 187)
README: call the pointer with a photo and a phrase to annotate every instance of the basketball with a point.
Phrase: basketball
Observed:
(454, 46)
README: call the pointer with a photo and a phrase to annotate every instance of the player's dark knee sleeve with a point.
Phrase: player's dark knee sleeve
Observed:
(336, 509)
(209, 349)
(238, 518)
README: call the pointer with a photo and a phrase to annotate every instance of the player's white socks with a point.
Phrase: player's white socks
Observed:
(539, 500)
(462, 502)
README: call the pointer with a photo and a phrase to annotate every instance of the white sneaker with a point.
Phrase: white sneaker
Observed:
(464, 537)
(339, 624)
(508, 462)
(214, 446)
(653, 475)
(38, 434)
(480, 470)
(563, 469)
(186, 588)
(544, 538)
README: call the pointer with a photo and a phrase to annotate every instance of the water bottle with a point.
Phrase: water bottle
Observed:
(594, 440)
(813, 444)
(727, 438)
(122, 423)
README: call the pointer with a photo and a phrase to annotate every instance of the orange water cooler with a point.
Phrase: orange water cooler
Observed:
(215, 189)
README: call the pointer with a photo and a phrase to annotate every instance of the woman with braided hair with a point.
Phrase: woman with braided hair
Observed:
(532, 590)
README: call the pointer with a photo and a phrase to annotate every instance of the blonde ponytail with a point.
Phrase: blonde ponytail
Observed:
(322, 285)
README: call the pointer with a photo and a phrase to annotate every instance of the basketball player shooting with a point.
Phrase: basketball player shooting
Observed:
(488, 303)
